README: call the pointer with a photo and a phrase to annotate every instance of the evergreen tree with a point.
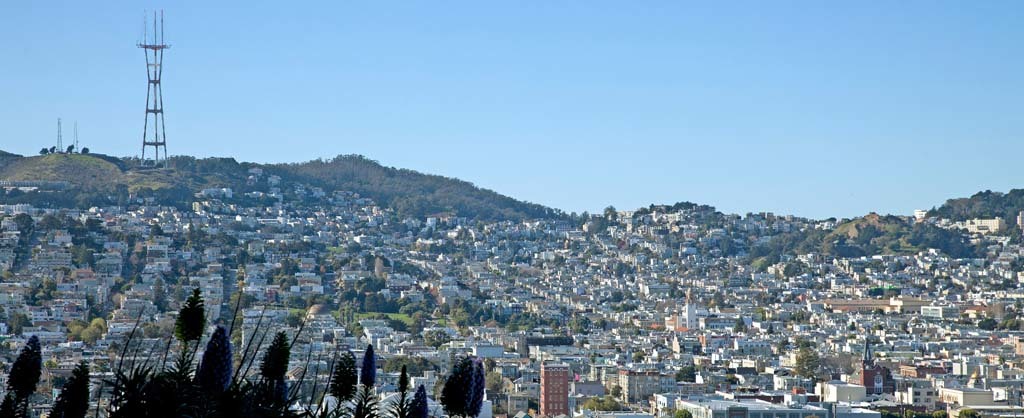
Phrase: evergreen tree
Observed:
(477, 383)
(159, 295)
(273, 368)
(73, 401)
(455, 394)
(807, 362)
(343, 381)
(191, 319)
(463, 391)
(22, 380)
(419, 408)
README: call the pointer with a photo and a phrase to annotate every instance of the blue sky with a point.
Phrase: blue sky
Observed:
(812, 108)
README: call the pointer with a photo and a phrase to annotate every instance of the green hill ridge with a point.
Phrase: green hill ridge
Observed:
(103, 180)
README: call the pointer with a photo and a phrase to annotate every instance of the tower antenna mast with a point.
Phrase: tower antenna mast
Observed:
(60, 140)
(154, 134)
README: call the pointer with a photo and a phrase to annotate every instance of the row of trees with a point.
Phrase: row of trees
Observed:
(69, 150)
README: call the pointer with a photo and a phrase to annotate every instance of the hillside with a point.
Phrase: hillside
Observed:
(6, 158)
(409, 191)
(868, 235)
(100, 179)
(87, 171)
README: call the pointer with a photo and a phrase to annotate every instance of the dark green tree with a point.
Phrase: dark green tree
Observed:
(419, 407)
(273, 368)
(687, 374)
(191, 319)
(343, 381)
(22, 380)
(17, 322)
(73, 401)
(739, 326)
(159, 295)
(477, 385)
(462, 394)
(807, 362)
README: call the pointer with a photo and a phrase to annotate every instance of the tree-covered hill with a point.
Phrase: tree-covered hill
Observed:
(986, 204)
(868, 235)
(101, 180)
(409, 191)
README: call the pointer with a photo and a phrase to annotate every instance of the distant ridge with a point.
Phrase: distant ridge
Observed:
(103, 180)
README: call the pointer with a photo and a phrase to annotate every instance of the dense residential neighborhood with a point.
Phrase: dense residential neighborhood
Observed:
(668, 311)
(259, 262)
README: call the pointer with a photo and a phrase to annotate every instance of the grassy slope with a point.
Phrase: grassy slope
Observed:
(86, 171)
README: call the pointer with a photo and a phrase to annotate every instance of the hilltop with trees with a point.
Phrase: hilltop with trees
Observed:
(98, 180)
(872, 234)
(986, 204)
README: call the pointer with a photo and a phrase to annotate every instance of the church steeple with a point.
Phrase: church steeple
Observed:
(868, 358)
(877, 379)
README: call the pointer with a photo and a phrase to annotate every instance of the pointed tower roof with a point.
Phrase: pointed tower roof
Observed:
(868, 358)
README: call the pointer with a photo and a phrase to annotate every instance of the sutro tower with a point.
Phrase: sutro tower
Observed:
(154, 134)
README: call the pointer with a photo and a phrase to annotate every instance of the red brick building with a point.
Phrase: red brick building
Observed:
(875, 378)
(554, 389)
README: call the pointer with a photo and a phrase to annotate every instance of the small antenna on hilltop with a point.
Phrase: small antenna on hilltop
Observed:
(60, 144)
(76, 134)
